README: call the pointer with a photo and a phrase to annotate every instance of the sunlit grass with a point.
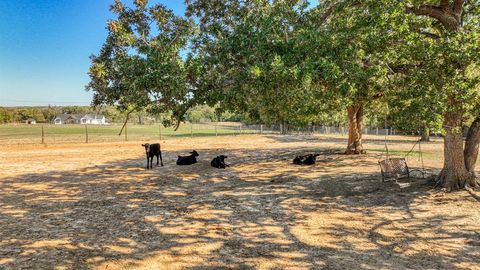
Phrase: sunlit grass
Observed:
(111, 132)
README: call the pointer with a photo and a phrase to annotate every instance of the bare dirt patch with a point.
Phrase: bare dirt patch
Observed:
(95, 206)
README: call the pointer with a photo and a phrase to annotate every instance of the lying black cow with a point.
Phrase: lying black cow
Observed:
(219, 162)
(306, 160)
(188, 160)
(152, 150)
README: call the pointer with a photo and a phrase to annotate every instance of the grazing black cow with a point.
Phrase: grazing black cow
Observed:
(152, 150)
(188, 160)
(219, 162)
(306, 160)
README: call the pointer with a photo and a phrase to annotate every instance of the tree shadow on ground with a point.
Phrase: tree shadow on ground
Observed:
(372, 139)
(262, 213)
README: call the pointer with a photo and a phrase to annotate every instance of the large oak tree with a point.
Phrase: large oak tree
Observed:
(140, 66)
(253, 58)
(351, 46)
(441, 55)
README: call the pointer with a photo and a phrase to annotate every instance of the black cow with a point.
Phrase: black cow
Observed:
(188, 160)
(219, 162)
(306, 160)
(152, 150)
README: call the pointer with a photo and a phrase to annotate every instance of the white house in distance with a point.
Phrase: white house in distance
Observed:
(66, 119)
(93, 119)
(83, 119)
(30, 121)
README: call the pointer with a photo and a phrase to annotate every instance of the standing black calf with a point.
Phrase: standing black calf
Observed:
(188, 160)
(219, 162)
(306, 160)
(152, 150)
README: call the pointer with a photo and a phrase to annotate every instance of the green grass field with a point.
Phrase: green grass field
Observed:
(77, 133)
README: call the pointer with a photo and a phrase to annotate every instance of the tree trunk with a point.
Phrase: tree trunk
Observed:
(425, 134)
(284, 127)
(471, 146)
(454, 174)
(355, 118)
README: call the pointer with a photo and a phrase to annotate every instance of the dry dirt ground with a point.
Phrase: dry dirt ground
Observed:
(95, 206)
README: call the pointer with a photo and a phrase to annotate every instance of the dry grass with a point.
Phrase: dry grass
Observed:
(95, 207)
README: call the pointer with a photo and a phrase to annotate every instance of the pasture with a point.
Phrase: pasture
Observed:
(95, 206)
(20, 133)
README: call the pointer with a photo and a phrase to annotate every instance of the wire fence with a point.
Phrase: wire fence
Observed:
(49, 133)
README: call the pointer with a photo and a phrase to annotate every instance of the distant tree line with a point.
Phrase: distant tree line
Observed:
(197, 114)
(42, 114)
(46, 114)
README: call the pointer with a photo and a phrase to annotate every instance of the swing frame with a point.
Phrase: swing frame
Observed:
(397, 168)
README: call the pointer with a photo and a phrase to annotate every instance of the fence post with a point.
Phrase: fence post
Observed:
(377, 131)
(261, 129)
(191, 130)
(126, 136)
(86, 133)
(43, 136)
(216, 129)
(160, 130)
(241, 132)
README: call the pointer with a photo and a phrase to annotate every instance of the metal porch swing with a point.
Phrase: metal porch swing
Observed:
(397, 167)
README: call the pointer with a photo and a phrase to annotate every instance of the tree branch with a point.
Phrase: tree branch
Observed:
(126, 120)
(428, 10)
(472, 143)
(451, 20)
(326, 14)
(458, 7)
(445, 4)
(430, 35)
(403, 68)
(329, 10)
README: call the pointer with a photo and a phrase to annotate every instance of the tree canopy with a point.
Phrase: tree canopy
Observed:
(140, 65)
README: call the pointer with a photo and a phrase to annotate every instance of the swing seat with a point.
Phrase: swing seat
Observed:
(394, 168)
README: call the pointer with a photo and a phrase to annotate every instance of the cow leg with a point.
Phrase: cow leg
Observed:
(161, 161)
(151, 162)
(157, 159)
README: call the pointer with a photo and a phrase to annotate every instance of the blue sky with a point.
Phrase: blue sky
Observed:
(45, 47)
